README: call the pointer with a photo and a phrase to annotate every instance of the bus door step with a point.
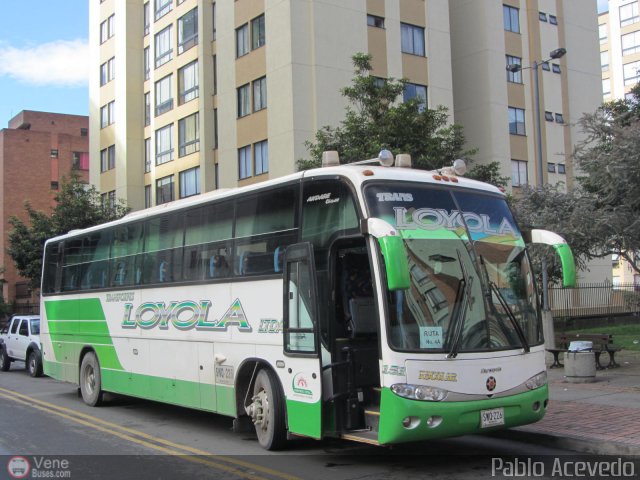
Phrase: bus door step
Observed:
(362, 436)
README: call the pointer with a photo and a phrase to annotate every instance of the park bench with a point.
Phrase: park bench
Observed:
(602, 343)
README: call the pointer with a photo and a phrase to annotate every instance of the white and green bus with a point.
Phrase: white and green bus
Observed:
(372, 303)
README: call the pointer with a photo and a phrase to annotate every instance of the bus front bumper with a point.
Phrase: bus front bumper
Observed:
(405, 420)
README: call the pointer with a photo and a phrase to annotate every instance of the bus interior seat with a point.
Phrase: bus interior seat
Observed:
(163, 271)
(356, 285)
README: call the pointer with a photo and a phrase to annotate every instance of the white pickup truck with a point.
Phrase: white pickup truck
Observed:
(20, 341)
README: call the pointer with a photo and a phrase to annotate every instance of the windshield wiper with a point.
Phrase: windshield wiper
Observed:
(460, 307)
(511, 316)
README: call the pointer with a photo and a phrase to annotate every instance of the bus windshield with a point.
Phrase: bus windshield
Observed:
(472, 287)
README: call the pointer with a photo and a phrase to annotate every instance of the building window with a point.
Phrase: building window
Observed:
(147, 155)
(164, 100)
(188, 87)
(164, 144)
(147, 196)
(631, 43)
(107, 71)
(604, 60)
(257, 32)
(519, 175)
(559, 118)
(213, 14)
(606, 86)
(555, 67)
(548, 116)
(162, 7)
(244, 100)
(54, 185)
(216, 180)
(107, 114)
(215, 128)
(164, 190)
(146, 18)
(511, 18)
(242, 40)
(630, 73)
(190, 182)
(107, 29)
(561, 168)
(602, 33)
(516, 121)
(542, 16)
(244, 162)
(412, 39)
(188, 31)
(108, 199)
(84, 132)
(188, 135)
(412, 90)
(261, 157)
(147, 63)
(163, 46)
(54, 153)
(375, 21)
(147, 109)
(108, 158)
(260, 94)
(80, 161)
(545, 66)
(553, 20)
(514, 77)
(551, 167)
(629, 14)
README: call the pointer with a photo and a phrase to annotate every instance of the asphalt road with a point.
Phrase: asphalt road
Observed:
(45, 420)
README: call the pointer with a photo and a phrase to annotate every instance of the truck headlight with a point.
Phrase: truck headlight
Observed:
(537, 381)
(419, 392)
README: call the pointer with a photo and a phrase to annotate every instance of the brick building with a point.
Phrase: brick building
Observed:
(36, 152)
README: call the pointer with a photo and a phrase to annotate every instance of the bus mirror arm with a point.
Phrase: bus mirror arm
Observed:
(563, 250)
(393, 250)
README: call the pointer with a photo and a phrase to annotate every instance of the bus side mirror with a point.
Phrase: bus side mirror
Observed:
(563, 250)
(396, 263)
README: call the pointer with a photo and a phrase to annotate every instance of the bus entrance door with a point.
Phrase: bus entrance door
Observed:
(303, 380)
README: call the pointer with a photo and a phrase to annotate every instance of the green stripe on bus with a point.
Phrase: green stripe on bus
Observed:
(304, 418)
(82, 309)
(74, 324)
(458, 418)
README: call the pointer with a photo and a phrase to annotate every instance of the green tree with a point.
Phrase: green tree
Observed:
(77, 206)
(375, 121)
(601, 216)
(490, 173)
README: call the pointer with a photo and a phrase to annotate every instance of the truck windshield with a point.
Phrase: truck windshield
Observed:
(472, 287)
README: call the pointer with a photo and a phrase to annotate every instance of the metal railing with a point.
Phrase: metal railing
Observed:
(594, 300)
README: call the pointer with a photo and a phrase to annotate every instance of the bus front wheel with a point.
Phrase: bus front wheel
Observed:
(267, 411)
(91, 380)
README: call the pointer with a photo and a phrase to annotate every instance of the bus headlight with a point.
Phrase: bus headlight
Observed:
(536, 381)
(419, 392)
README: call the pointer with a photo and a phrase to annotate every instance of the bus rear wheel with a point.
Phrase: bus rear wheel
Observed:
(91, 380)
(267, 411)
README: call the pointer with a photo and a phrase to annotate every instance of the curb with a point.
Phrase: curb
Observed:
(582, 445)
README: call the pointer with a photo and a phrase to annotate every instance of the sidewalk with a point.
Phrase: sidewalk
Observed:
(601, 417)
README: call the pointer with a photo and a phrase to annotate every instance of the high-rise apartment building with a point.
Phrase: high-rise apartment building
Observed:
(37, 151)
(188, 96)
(619, 32)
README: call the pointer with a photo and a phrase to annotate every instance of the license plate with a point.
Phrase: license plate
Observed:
(491, 418)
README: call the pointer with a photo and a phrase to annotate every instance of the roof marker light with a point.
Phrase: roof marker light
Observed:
(330, 158)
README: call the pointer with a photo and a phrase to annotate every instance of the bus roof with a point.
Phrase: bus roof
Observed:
(357, 174)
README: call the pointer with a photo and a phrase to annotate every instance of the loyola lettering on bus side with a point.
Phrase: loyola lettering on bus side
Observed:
(183, 315)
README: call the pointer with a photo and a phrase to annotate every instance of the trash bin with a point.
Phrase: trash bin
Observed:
(580, 363)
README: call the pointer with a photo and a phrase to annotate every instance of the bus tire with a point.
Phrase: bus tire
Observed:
(5, 361)
(268, 411)
(34, 364)
(91, 380)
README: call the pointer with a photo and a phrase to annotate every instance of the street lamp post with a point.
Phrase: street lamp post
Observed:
(514, 67)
